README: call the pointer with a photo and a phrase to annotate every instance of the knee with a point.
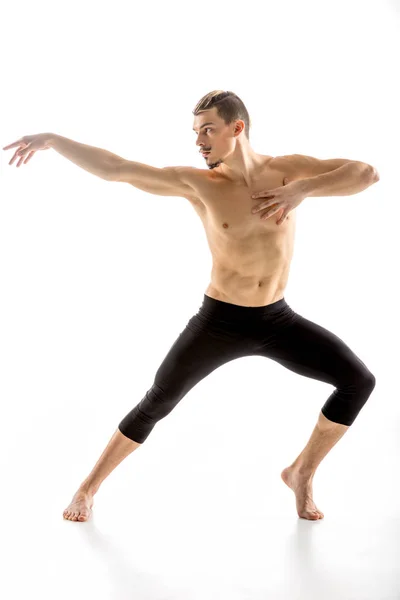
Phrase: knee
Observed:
(359, 391)
(140, 421)
(367, 381)
(348, 399)
(360, 387)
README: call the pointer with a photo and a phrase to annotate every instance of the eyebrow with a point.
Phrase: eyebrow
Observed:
(204, 124)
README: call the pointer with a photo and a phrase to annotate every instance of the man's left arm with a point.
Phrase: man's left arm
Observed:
(331, 177)
(307, 176)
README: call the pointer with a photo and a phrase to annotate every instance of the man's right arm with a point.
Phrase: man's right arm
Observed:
(166, 181)
(94, 160)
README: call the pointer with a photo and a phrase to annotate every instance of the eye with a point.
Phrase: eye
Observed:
(205, 129)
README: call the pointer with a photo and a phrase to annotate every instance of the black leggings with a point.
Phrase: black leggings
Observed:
(221, 332)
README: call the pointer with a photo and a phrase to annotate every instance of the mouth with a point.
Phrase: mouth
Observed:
(205, 153)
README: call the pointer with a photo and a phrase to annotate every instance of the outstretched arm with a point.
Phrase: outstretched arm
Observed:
(167, 181)
(94, 160)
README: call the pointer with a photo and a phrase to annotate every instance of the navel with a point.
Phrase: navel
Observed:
(225, 225)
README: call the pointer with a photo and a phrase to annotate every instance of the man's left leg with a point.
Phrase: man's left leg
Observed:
(299, 476)
(312, 351)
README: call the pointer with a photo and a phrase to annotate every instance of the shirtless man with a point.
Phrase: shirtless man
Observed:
(244, 311)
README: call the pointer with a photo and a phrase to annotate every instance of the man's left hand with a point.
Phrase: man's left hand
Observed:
(285, 197)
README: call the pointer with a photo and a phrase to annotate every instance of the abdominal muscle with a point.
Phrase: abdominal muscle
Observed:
(244, 292)
(251, 258)
(255, 277)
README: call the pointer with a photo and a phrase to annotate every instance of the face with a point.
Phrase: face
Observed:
(215, 136)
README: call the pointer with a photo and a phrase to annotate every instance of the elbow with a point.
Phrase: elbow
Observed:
(372, 173)
(376, 174)
(367, 172)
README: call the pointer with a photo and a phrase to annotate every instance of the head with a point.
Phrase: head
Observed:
(227, 123)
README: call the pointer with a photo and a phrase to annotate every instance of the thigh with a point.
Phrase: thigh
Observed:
(313, 351)
(198, 350)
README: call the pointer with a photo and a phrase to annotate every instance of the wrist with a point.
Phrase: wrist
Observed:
(51, 139)
(306, 186)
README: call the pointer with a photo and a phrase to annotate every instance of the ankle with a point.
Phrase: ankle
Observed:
(303, 470)
(89, 488)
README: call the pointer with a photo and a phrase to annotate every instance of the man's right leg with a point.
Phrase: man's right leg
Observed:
(192, 357)
(118, 448)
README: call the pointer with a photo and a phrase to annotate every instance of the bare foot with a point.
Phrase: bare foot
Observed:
(80, 507)
(302, 487)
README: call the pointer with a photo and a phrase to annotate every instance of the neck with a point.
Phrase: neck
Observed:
(243, 165)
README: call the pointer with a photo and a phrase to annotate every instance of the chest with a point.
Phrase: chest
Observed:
(226, 211)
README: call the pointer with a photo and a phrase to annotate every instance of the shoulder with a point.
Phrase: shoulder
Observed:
(285, 165)
(197, 178)
(294, 166)
(299, 166)
(192, 176)
(196, 181)
(288, 161)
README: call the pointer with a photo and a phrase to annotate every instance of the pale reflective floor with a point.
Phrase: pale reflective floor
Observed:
(191, 516)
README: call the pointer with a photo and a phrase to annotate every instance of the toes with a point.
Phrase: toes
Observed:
(311, 516)
(318, 515)
(76, 514)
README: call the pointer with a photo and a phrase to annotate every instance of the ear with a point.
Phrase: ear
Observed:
(239, 126)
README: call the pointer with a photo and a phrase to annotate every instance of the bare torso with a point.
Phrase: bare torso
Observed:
(251, 257)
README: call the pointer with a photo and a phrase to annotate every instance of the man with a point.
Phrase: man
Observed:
(246, 202)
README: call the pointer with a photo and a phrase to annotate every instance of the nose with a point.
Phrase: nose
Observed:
(200, 141)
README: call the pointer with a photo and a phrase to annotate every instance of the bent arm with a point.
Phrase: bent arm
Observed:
(329, 177)
(94, 160)
(346, 180)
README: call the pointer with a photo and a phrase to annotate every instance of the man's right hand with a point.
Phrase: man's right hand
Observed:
(28, 145)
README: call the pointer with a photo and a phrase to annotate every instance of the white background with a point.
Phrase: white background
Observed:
(99, 278)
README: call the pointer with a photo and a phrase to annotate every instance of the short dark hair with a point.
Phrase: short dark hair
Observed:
(229, 107)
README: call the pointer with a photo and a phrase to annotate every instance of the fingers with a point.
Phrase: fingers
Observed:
(21, 155)
(265, 194)
(264, 205)
(13, 158)
(282, 218)
(271, 211)
(28, 158)
(23, 149)
(14, 144)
